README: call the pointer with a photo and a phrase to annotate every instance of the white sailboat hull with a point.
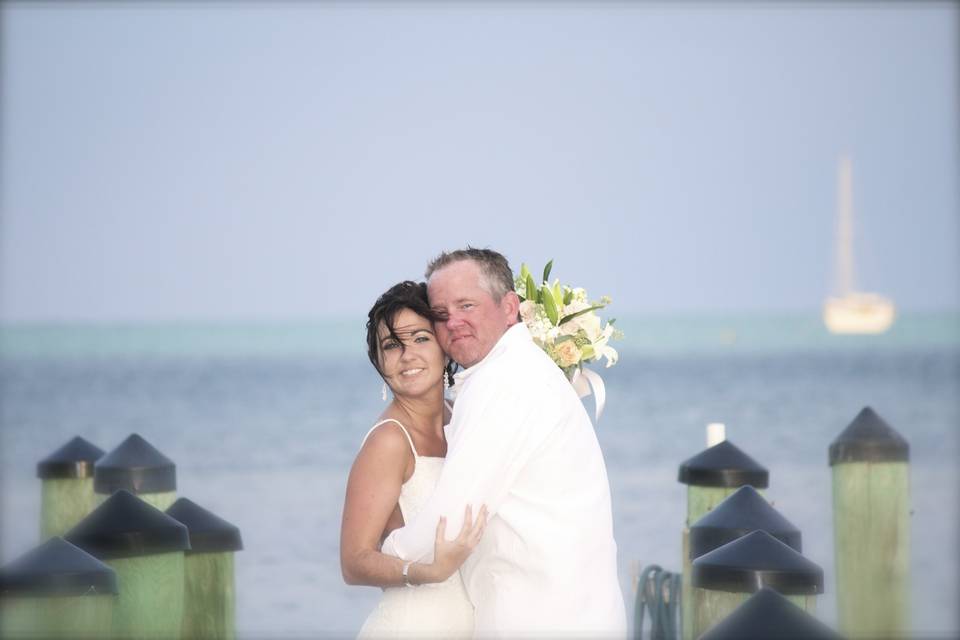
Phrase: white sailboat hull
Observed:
(858, 313)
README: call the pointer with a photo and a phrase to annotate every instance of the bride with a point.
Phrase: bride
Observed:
(395, 472)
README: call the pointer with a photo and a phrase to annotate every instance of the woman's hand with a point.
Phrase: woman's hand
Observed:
(448, 555)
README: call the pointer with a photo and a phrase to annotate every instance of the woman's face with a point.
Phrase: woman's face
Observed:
(418, 366)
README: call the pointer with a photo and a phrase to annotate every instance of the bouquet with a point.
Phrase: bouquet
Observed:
(564, 323)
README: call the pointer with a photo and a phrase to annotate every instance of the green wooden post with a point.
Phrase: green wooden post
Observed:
(135, 465)
(56, 590)
(767, 614)
(724, 578)
(66, 493)
(745, 510)
(209, 588)
(145, 547)
(711, 476)
(871, 524)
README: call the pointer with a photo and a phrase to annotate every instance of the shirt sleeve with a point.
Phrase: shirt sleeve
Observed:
(497, 426)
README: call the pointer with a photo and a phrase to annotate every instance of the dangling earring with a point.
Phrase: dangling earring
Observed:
(446, 379)
(383, 393)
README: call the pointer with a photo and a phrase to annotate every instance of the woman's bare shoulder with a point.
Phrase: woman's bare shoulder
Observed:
(385, 453)
(386, 437)
(386, 441)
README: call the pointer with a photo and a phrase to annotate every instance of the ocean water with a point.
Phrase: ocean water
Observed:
(263, 423)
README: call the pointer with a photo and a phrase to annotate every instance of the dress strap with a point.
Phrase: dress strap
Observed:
(402, 428)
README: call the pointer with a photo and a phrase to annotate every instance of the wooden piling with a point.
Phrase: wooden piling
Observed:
(145, 547)
(724, 578)
(66, 494)
(871, 522)
(744, 511)
(711, 476)
(767, 614)
(57, 590)
(137, 466)
(209, 583)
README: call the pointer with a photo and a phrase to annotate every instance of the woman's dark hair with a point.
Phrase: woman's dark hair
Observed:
(405, 295)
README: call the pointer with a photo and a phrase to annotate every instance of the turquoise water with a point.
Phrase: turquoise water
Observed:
(263, 422)
(655, 334)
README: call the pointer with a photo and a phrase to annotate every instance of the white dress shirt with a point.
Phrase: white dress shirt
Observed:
(521, 442)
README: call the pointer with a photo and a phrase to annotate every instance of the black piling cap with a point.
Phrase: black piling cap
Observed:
(723, 465)
(743, 511)
(73, 460)
(135, 465)
(208, 533)
(869, 439)
(57, 568)
(125, 526)
(767, 614)
(757, 560)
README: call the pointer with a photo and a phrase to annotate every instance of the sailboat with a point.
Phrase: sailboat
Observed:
(851, 311)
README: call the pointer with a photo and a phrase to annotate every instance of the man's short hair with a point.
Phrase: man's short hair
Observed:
(496, 275)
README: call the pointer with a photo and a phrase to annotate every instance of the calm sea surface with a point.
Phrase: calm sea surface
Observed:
(263, 423)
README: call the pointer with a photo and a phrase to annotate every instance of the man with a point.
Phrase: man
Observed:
(521, 443)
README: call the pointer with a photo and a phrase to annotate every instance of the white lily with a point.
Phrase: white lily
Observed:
(609, 353)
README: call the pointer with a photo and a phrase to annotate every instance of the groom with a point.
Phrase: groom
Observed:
(521, 443)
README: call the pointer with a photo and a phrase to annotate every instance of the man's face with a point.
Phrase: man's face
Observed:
(473, 320)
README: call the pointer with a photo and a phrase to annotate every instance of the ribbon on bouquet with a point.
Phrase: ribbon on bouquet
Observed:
(584, 381)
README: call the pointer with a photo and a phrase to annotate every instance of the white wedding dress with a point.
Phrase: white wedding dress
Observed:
(440, 610)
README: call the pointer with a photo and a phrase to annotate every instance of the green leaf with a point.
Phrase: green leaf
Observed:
(568, 297)
(549, 304)
(531, 289)
(546, 271)
(524, 271)
(557, 292)
(580, 313)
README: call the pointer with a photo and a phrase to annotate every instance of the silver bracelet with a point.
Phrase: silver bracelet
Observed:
(406, 576)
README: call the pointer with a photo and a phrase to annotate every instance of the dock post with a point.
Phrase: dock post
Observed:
(871, 523)
(66, 490)
(209, 609)
(138, 467)
(767, 614)
(744, 511)
(724, 578)
(711, 476)
(145, 547)
(56, 590)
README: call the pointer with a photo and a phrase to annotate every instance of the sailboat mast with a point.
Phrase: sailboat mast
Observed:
(844, 226)
(852, 311)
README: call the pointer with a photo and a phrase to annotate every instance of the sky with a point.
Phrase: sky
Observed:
(173, 161)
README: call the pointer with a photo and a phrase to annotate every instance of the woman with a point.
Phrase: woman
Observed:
(394, 473)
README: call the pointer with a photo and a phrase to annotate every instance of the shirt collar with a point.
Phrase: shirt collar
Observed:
(514, 335)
